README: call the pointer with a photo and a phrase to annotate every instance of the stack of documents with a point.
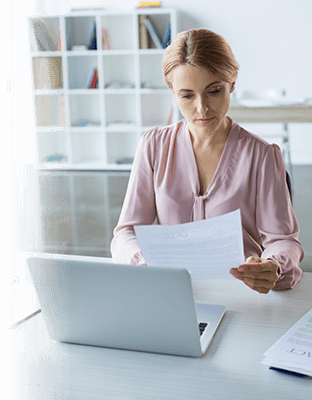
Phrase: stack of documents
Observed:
(207, 248)
(293, 351)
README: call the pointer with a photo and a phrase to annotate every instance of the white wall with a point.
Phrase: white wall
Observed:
(271, 40)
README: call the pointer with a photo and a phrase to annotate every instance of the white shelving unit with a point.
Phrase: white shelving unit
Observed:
(117, 116)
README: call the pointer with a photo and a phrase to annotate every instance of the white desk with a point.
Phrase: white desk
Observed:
(278, 114)
(231, 368)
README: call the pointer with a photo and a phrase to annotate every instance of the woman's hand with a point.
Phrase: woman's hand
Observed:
(257, 273)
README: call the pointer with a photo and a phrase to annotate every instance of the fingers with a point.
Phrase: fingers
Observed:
(260, 286)
(254, 265)
(258, 274)
(257, 268)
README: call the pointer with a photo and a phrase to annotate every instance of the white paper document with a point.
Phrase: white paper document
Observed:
(293, 351)
(207, 248)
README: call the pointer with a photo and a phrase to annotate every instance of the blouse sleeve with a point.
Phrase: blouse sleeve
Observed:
(138, 207)
(276, 220)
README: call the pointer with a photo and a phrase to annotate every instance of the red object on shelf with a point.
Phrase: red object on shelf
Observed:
(94, 79)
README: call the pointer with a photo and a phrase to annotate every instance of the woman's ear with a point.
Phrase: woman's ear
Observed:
(233, 86)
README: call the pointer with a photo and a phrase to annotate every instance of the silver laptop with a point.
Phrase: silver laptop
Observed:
(129, 307)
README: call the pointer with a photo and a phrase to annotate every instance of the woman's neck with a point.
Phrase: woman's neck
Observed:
(211, 139)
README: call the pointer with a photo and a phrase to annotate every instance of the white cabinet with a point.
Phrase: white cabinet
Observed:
(79, 127)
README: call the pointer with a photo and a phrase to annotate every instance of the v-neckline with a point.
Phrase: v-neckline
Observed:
(221, 167)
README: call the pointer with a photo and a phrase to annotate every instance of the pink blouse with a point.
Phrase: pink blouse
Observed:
(164, 184)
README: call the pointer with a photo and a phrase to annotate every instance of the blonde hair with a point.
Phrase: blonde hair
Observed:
(201, 48)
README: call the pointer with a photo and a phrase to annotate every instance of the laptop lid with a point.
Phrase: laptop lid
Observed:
(121, 306)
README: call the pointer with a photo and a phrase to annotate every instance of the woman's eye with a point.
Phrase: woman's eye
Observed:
(186, 96)
(214, 91)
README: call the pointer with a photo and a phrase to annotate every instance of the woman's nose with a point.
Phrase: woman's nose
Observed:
(202, 106)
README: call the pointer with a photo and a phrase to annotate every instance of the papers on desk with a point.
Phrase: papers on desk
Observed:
(293, 351)
(207, 248)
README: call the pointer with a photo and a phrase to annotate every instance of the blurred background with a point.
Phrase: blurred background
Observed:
(69, 203)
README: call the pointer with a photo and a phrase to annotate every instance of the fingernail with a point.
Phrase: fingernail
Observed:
(233, 271)
(241, 269)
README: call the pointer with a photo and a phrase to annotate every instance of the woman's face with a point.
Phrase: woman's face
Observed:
(203, 98)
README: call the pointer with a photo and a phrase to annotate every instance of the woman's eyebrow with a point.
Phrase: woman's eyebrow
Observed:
(189, 90)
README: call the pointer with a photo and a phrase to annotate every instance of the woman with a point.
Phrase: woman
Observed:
(206, 165)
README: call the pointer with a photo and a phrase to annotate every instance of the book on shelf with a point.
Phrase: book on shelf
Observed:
(167, 36)
(92, 45)
(32, 38)
(149, 4)
(43, 37)
(105, 39)
(152, 30)
(93, 82)
(143, 33)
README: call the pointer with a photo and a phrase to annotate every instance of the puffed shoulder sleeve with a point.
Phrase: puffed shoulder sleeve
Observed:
(276, 220)
(138, 206)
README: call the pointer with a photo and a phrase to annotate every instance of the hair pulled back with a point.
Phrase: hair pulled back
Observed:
(202, 48)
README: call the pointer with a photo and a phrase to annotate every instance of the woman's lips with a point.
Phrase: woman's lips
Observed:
(204, 120)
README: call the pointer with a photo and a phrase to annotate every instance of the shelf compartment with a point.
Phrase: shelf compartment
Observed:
(119, 30)
(88, 148)
(120, 108)
(85, 108)
(150, 72)
(80, 71)
(159, 22)
(47, 73)
(79, 31)
(122, 147)
(119, 70)
(156, 109)
(52, 147)
(44, 34)
(50, 110)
